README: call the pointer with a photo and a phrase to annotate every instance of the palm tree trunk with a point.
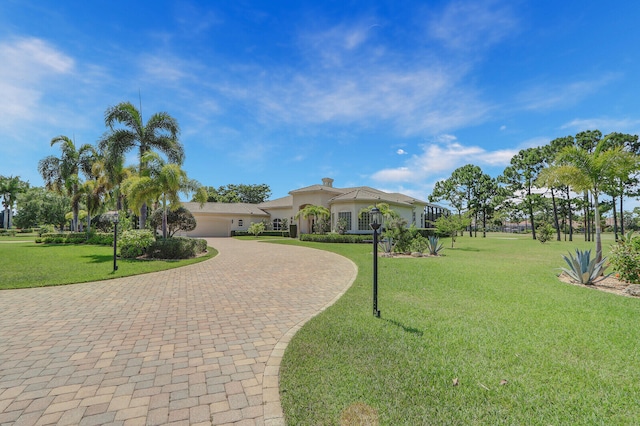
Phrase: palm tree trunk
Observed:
(570, 214)
(555, 215)
(621, 214)
(615, 220)
(598, 227)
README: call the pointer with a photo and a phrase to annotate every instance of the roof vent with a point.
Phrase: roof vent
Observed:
(327, 182)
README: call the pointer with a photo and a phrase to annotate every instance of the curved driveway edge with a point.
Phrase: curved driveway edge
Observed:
(195, 345)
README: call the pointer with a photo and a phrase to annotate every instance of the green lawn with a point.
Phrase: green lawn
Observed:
(36, 265)
(489, 310)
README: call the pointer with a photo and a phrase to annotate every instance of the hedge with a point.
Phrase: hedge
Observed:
(99, 238)
(337, 238)
(176, 248)
(284, 234)
(7, 232)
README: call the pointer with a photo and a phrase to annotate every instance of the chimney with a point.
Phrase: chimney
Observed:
(327, 182)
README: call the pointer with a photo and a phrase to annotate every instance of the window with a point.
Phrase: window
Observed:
(347, 217)
(277, 224)
(363, 222)
(413, 217)
(239, 222)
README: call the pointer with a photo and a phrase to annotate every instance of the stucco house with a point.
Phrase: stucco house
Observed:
(220, 219)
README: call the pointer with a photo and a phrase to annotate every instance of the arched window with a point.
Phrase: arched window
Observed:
(277, 224)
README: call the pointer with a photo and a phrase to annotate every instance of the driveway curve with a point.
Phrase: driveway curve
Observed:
(197, 345)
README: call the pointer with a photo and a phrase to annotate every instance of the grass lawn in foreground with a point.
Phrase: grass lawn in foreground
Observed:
(489, 311)
(38, 265)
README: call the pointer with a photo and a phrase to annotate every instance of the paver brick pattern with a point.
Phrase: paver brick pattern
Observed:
(194, 345)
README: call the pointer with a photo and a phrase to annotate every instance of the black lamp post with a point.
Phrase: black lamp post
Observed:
(116, 220)
(375, 221)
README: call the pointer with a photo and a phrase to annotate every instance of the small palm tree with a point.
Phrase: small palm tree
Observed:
(162, 182)
(159, 133)
(62, 174)
(316, 212)
(585, 170)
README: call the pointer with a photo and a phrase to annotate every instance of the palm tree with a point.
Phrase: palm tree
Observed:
(387, 212)
(160, 133)
(10, 187)
(586, 170)
(162, 182)
(63, 174)
(313, 211)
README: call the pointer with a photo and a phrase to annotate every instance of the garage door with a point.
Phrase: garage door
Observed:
(209, 227)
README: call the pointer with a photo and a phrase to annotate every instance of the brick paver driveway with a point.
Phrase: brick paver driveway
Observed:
(194, 345)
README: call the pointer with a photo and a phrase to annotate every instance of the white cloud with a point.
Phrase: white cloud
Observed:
(551, 96)
(605, 125)
(401, 152)
(29, 66)
(469, 25)
(442, 156)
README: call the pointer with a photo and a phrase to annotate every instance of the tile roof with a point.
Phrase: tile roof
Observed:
(228, 208)
(278, 202)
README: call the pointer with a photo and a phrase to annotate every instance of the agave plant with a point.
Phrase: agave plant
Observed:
(386, 244)
(583, 269)
(434, 245)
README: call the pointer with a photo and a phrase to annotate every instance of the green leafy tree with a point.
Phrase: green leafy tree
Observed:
(180, 219)
(447, 190)
(160, 133)
(37, 206)
(10, 187)
(62, 174)
(452, 224)
(625, 185)
(162, 182)
(252, 194)
(520, 178)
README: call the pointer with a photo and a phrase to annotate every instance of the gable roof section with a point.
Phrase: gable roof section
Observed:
(365, 193)
(283, 202)
(315, 188)
(226, 208)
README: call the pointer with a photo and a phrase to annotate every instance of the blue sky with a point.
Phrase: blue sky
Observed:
(391, 94)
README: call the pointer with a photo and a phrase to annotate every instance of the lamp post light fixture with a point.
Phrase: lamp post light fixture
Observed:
(375, 221)
(115, 219)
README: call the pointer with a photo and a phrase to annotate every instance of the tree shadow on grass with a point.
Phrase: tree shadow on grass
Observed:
(99, 258)
(411, 330)
(466, 249)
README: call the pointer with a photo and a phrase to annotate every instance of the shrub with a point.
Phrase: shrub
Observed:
(625, 259)
(25, 231)
(341, 226)
(583, 269)
(101, 238)
(256, 228)
(419, 244)
(7, 233)
(176, 248)
(397, 230)
(64, 238)
(545, 232)
(336, 238)
(134, 243)
(46, 229)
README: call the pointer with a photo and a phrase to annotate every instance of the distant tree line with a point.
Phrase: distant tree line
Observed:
(568, 183)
